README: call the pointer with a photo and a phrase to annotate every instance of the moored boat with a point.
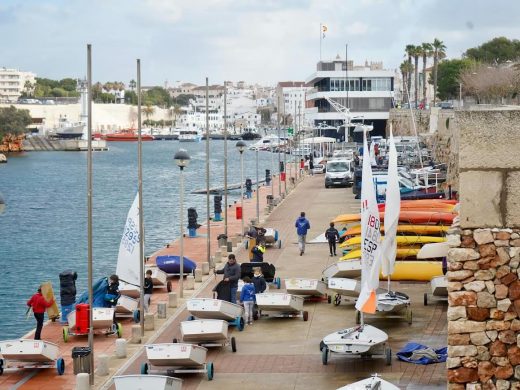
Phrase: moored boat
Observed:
(127, 135)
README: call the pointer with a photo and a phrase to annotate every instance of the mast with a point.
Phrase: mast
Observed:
(140, 190)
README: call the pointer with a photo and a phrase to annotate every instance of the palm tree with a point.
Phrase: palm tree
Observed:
(427, 51)
(406, 69)
(28, 87)
(438, 54)
(416, 52)
(132, 84)
(148, 110)
(409, 49)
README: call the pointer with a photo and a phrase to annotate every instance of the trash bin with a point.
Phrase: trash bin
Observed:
(81, 360)
(222, 240)
(270, 200)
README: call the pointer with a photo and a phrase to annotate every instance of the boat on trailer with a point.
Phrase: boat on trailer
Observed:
(30, 354)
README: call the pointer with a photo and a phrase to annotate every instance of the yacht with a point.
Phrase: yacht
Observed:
(68, 130)
(190, 135)
(266, 143)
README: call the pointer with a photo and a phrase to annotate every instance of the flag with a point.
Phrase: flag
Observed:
(370, 237)
(392, 209)
(324, 30)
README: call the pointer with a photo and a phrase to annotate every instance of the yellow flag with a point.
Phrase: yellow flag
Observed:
(324, 28)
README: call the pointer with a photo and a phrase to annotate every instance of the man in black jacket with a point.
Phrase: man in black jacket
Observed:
(331, 234)
(231, 273)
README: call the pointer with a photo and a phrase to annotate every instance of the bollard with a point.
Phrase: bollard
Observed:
(135, 338)
(121, 348)
(198, 275)
(102, 366)
(149, 321)
(172, 299)
(218, 253)
(189, 283)
(161, 310)
(205, 267)
(229, 246)
(83, 381)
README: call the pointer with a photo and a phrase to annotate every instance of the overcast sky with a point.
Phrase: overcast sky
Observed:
(253, 40)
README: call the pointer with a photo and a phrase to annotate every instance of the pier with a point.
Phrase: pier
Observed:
(40, 143)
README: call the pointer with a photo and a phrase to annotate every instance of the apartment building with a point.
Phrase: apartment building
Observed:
(13, 82)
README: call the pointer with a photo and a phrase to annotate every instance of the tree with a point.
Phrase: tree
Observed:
(130, 97)
(449, 77)
(69, 84)
(132, 85)
(491, 84)
(409, 49)
(28, 88)
(406, 69)
(148, 111)
(496, 51)
(183, 100)
(426, 52)
(157, 96)
(416, 52)
(13, 121)
(439, 52)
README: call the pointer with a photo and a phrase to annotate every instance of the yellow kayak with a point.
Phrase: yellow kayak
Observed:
(401, 240)
(402, 253)
(417, 270)
(419, 229)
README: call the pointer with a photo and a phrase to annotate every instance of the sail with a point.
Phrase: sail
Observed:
(372, 153)
(128, 262)
(392, 210)
(370, 238)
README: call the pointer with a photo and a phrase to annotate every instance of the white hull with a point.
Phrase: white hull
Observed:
(270, 235)
(204, 330)
(279, 302)
(214, 309)
(344, 286)
(439, 286)
(159, 277)
(393, 301)
(126, 305)
(146, 382)
(355, 340)
(129, 290)
(177, 354)
(26, 350)
(343, 269)
(370, 383)
(102, 318)
(305, 287)
(433, 250)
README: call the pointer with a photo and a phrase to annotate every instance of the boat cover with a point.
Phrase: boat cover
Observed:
(99, 290)
(422, 354)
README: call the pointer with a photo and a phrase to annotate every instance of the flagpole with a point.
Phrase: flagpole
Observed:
(208, 219)
(140, 190)
(320, 39)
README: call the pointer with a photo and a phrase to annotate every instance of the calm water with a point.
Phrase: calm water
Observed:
(43, 229)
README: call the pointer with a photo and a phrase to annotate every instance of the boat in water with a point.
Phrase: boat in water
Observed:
(190, 135)
(127, 135)
(67, 129)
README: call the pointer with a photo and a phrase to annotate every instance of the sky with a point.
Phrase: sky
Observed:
(258, 41)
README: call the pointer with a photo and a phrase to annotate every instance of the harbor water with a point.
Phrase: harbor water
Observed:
(43, 229)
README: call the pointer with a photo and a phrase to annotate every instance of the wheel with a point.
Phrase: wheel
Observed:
(255, 315)
(246, 244)
(1, 366)
(137, 316)
(119, 330)
(190, 318)
(337, 299)
(144, 368)
(239, 323)
(322, 345)
(60, 366)
(65, 334)
(169, 286)
(326, 186)
(233, 344)
(425, 299)
(175, 341)
(324, 356)
(279, 244)
(329, 299)
(358, 317)
(409, 316)
(388, 356)
(210, 371)
(278, 283)
(305, 315)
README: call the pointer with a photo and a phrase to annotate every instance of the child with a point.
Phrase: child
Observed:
(258, 253)
(247, 296)
(259, 281)
(112, 295)
(148, 290)
(331, 234)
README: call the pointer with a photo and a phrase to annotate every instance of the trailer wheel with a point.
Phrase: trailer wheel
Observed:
(136, 316)
(65, 334)
(239, 323)
(246, 244)
(144, 369)
(337, 299)
(388, 356)
(233, 344)
(329, 299)
(175, 341)
(169, 286)
(1, 366)
(324, 356)
(60, 366)
(278, 283)
(305, 315)
(358, 317)
(210, 371)
(322, 345)
(119, 330)
(279, 244)
(409, 316)
(425, 299)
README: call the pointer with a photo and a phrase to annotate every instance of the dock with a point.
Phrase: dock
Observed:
(40, 143)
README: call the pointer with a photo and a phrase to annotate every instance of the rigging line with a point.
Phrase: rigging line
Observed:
(413, 123)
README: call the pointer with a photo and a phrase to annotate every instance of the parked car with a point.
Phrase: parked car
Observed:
(446, 106)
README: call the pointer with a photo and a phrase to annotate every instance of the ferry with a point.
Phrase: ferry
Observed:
(186, 135)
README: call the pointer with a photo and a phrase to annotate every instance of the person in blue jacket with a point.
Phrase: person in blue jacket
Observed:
(302, 226)
(247, 297)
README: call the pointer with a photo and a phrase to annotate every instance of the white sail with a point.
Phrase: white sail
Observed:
(373, 154)
(370, 237)
(128, 261)
(392, 209)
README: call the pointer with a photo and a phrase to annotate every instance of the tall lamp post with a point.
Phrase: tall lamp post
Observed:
(241, 146)
(182, 159)
(257, 190)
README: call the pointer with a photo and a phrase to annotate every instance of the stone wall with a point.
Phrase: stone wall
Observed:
(401, 121)
(484, 309)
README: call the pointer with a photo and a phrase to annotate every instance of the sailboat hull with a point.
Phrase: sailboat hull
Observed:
(356, 340)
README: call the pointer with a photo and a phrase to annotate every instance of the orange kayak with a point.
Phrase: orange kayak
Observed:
(419, 229)
(422, 207)
(407, 216)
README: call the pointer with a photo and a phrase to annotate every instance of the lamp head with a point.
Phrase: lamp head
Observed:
(182, 158)
(241, 146)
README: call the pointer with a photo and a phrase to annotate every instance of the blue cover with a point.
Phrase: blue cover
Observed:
(99, 290)
(405, 354)
(172, 264)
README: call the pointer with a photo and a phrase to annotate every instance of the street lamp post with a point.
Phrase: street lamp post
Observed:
(257, 190)
(182, 159)
(241, 146)
(460, 95)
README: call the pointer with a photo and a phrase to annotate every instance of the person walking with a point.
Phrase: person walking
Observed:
(148, 290)
(247, 297)
(231, 272)
(302, 226)
(332, 235)
(39, 304)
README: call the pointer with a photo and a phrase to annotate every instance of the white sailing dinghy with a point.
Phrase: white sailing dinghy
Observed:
(392, 301)
(216, 309)
(129, 266)
(306, 287)
(439, 284)
(29, 354)
(364, 340)
(372, 383)
(207, 333)
(146, 382)
(343, 269)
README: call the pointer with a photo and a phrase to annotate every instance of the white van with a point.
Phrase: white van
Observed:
(339, 173)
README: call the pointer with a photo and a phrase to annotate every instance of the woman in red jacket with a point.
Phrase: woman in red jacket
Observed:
(39, 305)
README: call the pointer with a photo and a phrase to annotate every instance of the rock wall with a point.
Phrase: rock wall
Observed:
(401, 120)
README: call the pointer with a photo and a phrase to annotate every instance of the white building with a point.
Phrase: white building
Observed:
(368, 93)
(13, 83)
(291, 95)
